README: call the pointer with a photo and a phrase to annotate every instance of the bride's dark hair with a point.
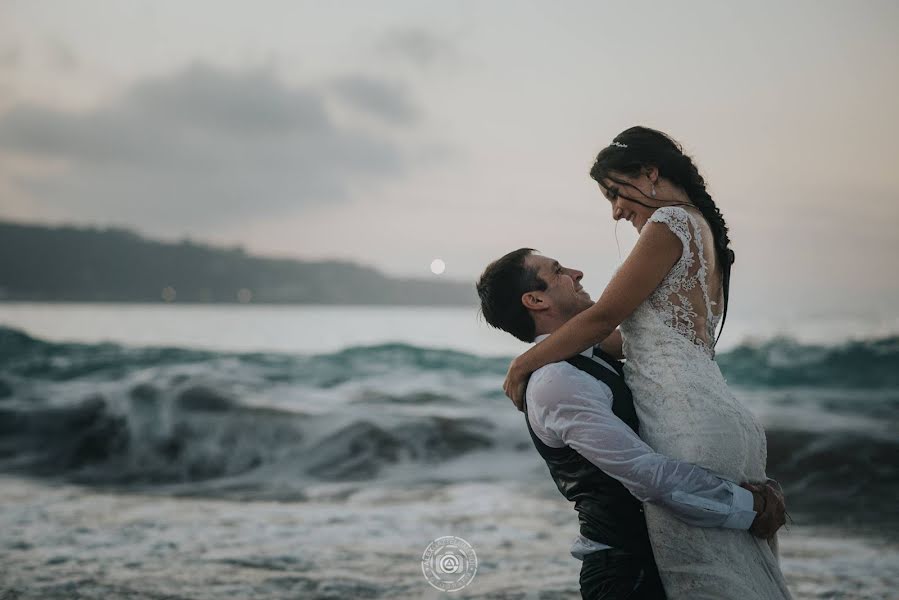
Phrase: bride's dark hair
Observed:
(636, 148)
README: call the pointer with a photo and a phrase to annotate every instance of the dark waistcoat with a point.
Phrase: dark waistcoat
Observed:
(607, 512)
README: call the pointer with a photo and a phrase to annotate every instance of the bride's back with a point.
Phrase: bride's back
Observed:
(690, 298)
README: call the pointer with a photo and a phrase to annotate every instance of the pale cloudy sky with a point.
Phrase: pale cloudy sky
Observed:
(391, 133)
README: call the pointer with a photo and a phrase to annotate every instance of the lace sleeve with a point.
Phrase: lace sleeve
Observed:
(677, 220)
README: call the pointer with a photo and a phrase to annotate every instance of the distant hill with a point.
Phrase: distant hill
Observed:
(115, 265)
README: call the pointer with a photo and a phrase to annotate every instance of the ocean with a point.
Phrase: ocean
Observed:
(195, 451)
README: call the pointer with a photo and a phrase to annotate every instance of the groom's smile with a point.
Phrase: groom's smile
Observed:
(564, 293)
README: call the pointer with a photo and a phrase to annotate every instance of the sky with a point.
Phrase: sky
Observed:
(394, 133)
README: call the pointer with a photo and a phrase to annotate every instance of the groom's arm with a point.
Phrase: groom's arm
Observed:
(572, 407)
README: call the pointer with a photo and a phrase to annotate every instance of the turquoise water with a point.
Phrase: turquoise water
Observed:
(313, 452)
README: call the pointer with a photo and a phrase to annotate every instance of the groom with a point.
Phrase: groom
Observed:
(581, 418)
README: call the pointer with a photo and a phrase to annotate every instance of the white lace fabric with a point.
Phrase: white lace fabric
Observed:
(687, 412)
(684, 298)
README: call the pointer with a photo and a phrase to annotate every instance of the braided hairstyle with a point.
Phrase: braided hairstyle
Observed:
(636, 148)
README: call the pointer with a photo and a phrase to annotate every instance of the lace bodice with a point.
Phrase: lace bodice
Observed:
(684, 300)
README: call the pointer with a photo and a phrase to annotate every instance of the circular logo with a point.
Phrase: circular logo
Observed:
(449, 563)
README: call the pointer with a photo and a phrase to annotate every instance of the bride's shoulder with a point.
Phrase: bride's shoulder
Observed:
(670, 214)
(675, 218)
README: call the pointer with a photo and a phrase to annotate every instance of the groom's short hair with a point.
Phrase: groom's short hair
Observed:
(500, 289)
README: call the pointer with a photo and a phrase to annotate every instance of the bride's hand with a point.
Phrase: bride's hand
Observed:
(515, 384)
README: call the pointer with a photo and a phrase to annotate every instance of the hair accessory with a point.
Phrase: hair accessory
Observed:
(619, 144)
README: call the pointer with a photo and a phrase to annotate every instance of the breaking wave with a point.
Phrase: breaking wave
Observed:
(271, 425)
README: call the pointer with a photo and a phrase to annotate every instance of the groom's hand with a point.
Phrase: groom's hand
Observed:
(768, 503)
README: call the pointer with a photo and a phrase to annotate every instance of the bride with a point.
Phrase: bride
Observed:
(669, 296)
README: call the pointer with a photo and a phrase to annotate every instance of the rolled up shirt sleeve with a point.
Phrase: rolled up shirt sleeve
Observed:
(570, 406)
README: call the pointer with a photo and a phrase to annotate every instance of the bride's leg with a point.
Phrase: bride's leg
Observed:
(712, 564)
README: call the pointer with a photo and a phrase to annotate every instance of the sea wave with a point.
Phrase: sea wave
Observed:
(23, 355)
(201, 433)
(268, 425)
(778, 362)
(783, 362)
(204, 442)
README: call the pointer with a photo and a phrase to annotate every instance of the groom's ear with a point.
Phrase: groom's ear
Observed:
(534, 301)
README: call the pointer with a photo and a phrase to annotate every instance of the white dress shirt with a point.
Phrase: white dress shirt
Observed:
(568, 407)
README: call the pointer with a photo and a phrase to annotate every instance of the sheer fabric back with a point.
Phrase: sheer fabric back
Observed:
(690, 299)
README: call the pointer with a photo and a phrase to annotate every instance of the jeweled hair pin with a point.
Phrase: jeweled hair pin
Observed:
(619, 144)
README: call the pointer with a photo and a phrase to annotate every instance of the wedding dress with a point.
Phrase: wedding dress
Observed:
(687, 412)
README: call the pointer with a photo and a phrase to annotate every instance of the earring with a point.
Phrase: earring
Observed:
(652, 192)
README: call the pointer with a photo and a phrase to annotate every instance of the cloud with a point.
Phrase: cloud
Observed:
(415, 45)
(62, 56)
(201, 148)
(386, 100)
(10, 56)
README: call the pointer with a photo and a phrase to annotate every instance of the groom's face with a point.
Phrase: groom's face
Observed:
(563, 294)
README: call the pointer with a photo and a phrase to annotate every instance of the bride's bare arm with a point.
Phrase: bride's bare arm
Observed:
(656, 251)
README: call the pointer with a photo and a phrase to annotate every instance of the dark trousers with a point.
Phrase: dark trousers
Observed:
(615, 575)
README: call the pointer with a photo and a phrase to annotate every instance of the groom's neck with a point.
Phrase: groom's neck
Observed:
(547, 327)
